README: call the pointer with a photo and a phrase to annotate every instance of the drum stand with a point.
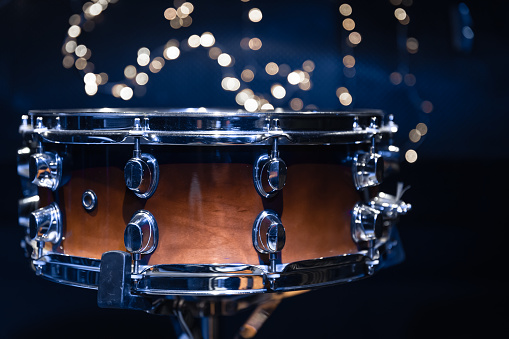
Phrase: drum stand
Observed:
(198, 318)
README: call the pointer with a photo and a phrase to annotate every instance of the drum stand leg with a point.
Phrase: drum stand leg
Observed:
(188, 326)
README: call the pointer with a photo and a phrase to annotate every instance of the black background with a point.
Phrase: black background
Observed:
(451, 283)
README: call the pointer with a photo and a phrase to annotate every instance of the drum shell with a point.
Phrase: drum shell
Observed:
(205, 203)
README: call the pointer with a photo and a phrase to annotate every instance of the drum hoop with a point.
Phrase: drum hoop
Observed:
(173, 279)
(226, 127)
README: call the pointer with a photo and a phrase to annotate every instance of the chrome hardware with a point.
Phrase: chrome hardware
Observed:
(367, 169)
(28, 189)
(366, 223)
(237, 279)
(141, 236)
(367, 226)
(171, 127)
(269, 236)
(391, 206)
(25, 207)
(389, 152)
(141, 173)
(24, 127)
(46, 226)
(276, 172)
(89, 200)
(45, 169)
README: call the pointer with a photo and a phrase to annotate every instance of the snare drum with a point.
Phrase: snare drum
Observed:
(206, 202)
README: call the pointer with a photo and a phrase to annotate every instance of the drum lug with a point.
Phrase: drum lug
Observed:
(366, 223)
(141, 236)
(368, 168)
(45, 169)
(141, 172)
(366, 228)
(276, 171)
(269, 236)
(45, 226)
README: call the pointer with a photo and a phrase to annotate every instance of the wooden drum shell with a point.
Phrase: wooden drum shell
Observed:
(205, 203)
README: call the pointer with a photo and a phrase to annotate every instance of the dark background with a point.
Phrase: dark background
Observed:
(451, 283)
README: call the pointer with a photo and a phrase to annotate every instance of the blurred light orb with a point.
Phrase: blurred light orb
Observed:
(193, 41)
(349, 61)
(411, 156)
(255, 15)
(144, 50)
(143, 59)
(348, 24)
(68, 61)
(422, 128)
(251, 105)
(427, 106)
(242, 96)
(272, 68)
(207, 39)
(170, 13)
(267, 107)
(230, 84)
(345, 98)
(70, 46)
(400, 14)
(141, 78)
(305, 86)
(74, 31)
(80, 51)
(187, 6)
(340, 91)
(247, 75)
(172, 53)
(156, 65)
(103, 78)
(293, 78)
(467, 32)
(91, 88)
(255, 44)
(126, 93)
(224, 60)
(95, 9)
(308, 66)
(80, 64)
(396, 78)
(75, 19)
(412, 45)
(345, 9)
(414, 135)
(130, 72)
(214, 53)
(115, 90)
(90, 78)
(354, 38)
(278, 91)
(296, 104)
(410, 79)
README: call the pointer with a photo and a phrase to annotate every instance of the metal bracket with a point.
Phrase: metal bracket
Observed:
(114, 288)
